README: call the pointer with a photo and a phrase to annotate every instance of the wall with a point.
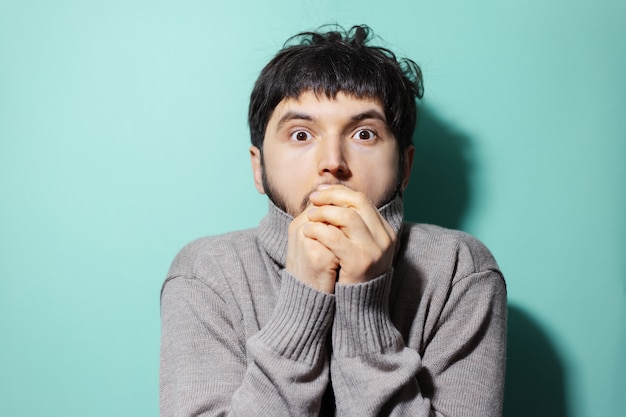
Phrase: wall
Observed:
(123, 136)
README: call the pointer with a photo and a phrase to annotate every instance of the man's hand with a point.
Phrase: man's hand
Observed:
(309, 260)
(349, 227)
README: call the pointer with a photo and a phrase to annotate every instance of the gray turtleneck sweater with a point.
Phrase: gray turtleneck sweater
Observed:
(243, 337)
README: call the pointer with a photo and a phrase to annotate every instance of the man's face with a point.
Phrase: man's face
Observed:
(315, 140)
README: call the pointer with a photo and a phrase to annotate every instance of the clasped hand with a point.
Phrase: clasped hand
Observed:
(341, 237)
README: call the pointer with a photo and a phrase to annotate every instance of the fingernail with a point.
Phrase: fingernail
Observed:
(323, 186)
(314, 194)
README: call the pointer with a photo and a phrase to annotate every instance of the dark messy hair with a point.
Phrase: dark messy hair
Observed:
(332, 61)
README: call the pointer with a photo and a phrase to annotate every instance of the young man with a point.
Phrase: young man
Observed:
(333, 306)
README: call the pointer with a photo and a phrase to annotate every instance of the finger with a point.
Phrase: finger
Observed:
(319, 254)
(298, 222)
(341, 196)
(340, 245)
(330, 237)
(309, 260)
(348, 220)
(357, 259)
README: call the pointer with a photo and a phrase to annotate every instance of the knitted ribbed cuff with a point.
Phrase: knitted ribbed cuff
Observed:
(362, 324)
(301, 321)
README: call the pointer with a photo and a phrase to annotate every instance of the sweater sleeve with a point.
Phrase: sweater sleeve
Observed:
(208, 370)
(373, 373)
(461, 372)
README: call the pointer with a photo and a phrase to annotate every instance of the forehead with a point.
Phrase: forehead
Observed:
(319, 107)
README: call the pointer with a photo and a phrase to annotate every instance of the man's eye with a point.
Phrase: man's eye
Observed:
(300, 136)
(365, 134)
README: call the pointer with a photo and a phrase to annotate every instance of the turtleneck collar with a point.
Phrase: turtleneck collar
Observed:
(274, 227)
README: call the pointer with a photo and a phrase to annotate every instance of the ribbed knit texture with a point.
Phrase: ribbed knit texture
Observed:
(242, 337)
(301, 321)
(362, 324)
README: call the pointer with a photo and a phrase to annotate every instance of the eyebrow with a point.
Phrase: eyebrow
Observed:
(291, 115)
(370, 114)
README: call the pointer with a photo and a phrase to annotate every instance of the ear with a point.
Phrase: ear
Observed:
(257, 168)
(409, 152)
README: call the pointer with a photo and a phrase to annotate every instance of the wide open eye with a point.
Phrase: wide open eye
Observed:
(300, 135)
(364, 134)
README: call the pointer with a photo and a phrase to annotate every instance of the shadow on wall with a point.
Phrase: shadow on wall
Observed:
(440, 193)
(439, 190)
(535, 374)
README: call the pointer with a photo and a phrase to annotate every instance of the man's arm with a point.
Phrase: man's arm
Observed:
(209, 369)
(372, 370)
(461, 372)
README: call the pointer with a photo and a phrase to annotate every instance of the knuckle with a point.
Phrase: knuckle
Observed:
(389, 239)
(376, 256)
(351, 215)
(393, 236)
(370, 262)
(294, 226)
(320, 258)
(333, 236)
(360, 197)
(315, 257)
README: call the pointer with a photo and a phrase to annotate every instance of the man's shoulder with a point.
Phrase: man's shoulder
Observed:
(447, 246)
(209, 252)
(425, 231)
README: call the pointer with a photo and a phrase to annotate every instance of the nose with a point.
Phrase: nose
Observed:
(332, 158)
